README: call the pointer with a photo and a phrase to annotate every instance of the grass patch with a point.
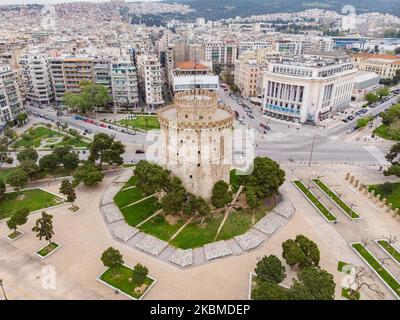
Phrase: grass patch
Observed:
(123, 281)
(384, 132)
(32, 199)
(346, 294)
(315, 201)
(14, 234)
(341, 264)
(237, 223)
(388, 190)
(390, 249)
(71, 142)
(376, 265)
(131, 182)
(195, 235)
(35, 135)
(160, 228)
(140, 211)
(350, 212)
(142, 122)
(126, 197)
(47, 249)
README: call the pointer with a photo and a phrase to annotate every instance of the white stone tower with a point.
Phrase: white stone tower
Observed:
(196, 140)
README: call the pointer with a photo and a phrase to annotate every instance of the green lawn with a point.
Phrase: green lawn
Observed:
(73, 142)
(341, 265)
(314, 200)
(131, 182)
(33, 199)
(122, 280)
(38, 134)
(140, 211)
(195, 235)
(383, 132)
(126, 197)
(237, 223)
(142, 122)
(350, 212)
(160, 228)
(390, 249)
(346, 294)
(47, 249)
(376, 265)
(392, 194)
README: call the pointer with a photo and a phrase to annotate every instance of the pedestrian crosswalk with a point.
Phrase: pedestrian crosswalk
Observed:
(377, 154)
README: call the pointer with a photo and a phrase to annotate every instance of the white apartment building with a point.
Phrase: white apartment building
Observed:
(221, 52)
(150, 79)
(36, 79)
(308, 89)
(124, 84)
(10, 97)
(190, 75)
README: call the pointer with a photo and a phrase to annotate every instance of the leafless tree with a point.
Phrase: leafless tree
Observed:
(365, 241)
(363, 279)
(352, 204)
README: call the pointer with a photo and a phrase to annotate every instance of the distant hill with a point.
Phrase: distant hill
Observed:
(220, 9)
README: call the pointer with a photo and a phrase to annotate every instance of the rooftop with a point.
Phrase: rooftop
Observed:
(190, 65)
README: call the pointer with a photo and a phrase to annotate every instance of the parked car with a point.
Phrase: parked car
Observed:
(138, 151)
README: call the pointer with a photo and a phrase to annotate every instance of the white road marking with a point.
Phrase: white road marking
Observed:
(353, 190)
(377, 154)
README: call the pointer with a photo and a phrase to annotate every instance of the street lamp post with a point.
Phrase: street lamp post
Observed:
(2, 288)
(312, 150)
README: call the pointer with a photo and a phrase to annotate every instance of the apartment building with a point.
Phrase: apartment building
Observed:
(190, 75)
(249, 71)
(385, 65)
(221, 52)
(309, 88)
(10, 97)
(124, 84)
(37, 83)
(150, 79)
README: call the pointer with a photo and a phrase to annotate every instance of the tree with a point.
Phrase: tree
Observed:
(49, 163)
(2, 188)
(105, 149)
(10, 134)
(266, 177)
(270, 268)
(172, 202)
(371, 97)
(21, 118)
(4, 156)
(383, 92)
(393, 157)
(391, 115)
(362, 279)
(363, 122)
(31, 169)
(221, 195)
(319, 282)
(44, 227)
(89, 174)
(195, 205)
(309, 248)
(18, 179)
(151, 178)
(299, 291)
(68, 190)
(18, 219)
(70, 161)
(112, 259)
(234, 88)
(269, 291)
(27, 154)
(252, 199)
(139, 274)
(293, 254)
(92, 96)
(48, 125)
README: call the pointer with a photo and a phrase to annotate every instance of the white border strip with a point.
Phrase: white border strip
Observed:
(379, 276)
(345, 213)
(312, 203)
(124, 293)
(50, 253)
(17, 237)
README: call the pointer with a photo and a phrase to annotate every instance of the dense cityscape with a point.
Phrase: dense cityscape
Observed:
(162, 151)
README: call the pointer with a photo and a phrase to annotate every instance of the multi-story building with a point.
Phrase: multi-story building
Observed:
(10, 97)
(124, 84)
(150, 79)
(221, 52)
(36, 78)
(190, 75)
(308, 88)
(385, 65)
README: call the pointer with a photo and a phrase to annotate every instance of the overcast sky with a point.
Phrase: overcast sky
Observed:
(2, 2)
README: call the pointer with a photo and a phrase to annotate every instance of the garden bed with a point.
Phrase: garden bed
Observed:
(339, 202)
(383, 131)
(140, 211)
(388, 190)
(31, 199)
(314, 201)
(48, 250)
(377, 267)
(142, 122)
(15, 235)
(123, 283)
(392, 251)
